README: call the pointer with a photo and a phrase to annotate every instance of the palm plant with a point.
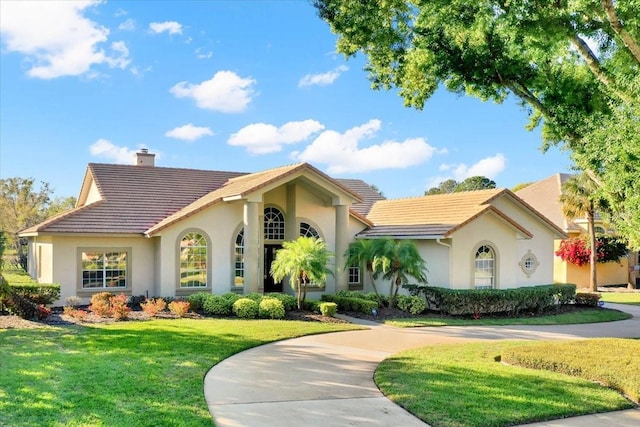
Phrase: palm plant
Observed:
(305, 260)
(579, 199)
(362, 252)
(397, 260)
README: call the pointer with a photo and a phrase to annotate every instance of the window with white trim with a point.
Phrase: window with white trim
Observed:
(102, 269)
(273, 224)
(193, 261)
(484, 268)
(354, 275)
(238, 259)
(307, 230)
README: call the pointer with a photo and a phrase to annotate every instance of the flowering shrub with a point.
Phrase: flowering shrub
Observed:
(153, 306)
(43, 311)
(119, 308)
(578, 252)
(179, 308)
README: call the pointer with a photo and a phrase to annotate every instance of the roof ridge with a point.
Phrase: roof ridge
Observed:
(460, 193)
(166, 168)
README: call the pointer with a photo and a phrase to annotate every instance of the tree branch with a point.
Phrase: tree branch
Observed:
(619, 29)
(594, 65)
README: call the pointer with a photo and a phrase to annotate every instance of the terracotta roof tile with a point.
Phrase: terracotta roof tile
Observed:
(369, 195)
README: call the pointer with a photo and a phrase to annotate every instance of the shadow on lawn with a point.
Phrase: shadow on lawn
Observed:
(117, 375)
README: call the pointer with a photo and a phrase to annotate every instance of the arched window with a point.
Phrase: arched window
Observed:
(485, 268)
(238, 258)
(307, 230)
(273, 224)
(193, 261)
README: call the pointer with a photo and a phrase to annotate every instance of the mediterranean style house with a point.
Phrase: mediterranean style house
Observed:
(544, 196)
(156, 231)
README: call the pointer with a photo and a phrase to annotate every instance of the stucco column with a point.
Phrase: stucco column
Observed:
(291, 230)
(342, 244)
(251, 247)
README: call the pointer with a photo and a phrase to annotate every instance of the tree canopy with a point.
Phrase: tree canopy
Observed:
(575, 67)
(470, 184)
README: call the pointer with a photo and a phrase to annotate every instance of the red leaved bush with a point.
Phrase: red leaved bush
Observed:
(577, 250)
(574, 251)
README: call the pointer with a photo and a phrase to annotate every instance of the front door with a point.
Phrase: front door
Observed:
(269, 255)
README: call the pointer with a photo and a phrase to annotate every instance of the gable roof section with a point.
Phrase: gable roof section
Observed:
(134, 198)
(241, 186)
(544, 196)
(438, 216)
(366, 191)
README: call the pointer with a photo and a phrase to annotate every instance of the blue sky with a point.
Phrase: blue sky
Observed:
(231, 85)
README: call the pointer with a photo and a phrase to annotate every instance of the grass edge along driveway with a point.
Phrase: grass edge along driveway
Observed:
(126, 373)
(465, 385)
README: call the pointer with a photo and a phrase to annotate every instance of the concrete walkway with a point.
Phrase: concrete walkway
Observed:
(327, 380)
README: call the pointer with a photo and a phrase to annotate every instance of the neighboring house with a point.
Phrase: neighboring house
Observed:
(154, 231)
(544, 196)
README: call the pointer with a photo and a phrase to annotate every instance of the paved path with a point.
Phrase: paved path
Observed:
(327, 380)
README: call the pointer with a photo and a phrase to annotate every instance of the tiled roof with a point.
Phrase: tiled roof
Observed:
(368, 193)
(429, 231)
(544, 196)
(135, 198)
(442, 209)
(144, 199)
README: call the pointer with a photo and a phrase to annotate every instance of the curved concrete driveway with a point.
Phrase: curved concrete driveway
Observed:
(327, 380)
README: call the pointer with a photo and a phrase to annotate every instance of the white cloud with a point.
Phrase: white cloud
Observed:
(323, 79)
(200, 54)
(342, 154)
(262, 138)
(225, 92)
(106, 149)
(189, 132)
(128, 25)
(56, 38)
(171, 27)
(489, 167)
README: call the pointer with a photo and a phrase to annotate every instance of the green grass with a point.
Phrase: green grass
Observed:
(595, 315)
(127, 373)
(464, 385)
(632, 298)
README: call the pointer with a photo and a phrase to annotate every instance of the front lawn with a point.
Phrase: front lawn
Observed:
(127, 373)
(587, 315)
(621, 297)
(466, 385)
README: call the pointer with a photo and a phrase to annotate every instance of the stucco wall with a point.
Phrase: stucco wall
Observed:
(66, 263)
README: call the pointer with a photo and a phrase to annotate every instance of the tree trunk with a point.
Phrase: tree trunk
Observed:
(299, 294)
(593, 279)
(375, 289)
(627, 39)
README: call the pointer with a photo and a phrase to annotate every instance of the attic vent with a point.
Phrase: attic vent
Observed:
(144, 158)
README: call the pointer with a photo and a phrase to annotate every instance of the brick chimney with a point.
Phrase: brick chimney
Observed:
(144, 158)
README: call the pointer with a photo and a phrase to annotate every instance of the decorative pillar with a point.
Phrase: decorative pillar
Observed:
(342, 244)
(251, 247)
(291, 229)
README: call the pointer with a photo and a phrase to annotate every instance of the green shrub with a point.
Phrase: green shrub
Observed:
(328, 309)
(232, 296)
(39, 293)
(289, 302)
(587, 299)
(253, 296)
(134, 301)
(21, 306)
(271, 308)
(358, 305)
(476, 301)
(196, 301)
(411, 304)
(217, 305)
(245, 308)
(313, 306)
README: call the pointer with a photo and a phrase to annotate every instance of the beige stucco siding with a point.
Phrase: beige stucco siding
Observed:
(66, 263)
(484, 230)
(540, 245)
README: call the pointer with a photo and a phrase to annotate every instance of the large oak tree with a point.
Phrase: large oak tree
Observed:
(573, 64)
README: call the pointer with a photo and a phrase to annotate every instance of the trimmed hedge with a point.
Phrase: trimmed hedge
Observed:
(411, 304)
(289, 302)
(24, 299)
(371, 296)
(271, 308)
(587, 299)
(246, 308)
(590, 359)
(359, 305)
(513, 301)
(39, 293)
(217, 305)
(328, 309)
